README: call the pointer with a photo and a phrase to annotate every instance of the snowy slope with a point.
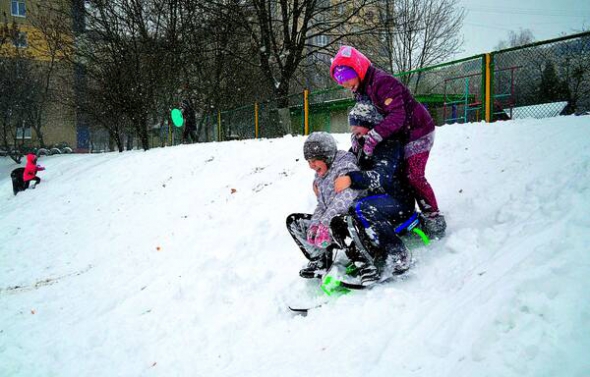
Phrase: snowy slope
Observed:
(146, 264)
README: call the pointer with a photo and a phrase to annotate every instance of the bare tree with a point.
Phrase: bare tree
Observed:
(217, 67)
(14, 94)
(17, 88)
(49, 20)
(516, 38)
(419, 33)
(283, 35)
(130, 40)
(160, 53)
(574, 63)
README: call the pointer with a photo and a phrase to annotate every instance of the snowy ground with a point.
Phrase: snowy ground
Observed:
(146, 264)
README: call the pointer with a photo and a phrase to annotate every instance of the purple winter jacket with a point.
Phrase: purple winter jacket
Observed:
(401, 112)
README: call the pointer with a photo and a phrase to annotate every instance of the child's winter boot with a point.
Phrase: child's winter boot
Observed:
(315, 269)
(368, 273)
(400, 262)
(434, 224)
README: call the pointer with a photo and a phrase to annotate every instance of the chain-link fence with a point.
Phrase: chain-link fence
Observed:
(281, 116)
(328, 110)
(542, 79)
(452, 92)
(238, 124)
(267, 119)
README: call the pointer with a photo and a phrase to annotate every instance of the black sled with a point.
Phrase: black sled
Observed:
(18, 183)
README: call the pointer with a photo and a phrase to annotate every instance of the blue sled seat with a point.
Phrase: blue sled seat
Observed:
(408, 225)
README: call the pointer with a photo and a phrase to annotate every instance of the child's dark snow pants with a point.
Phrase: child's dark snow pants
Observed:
(375, 217)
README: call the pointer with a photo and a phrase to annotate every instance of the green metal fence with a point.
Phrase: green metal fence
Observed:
(452, 92)
(267, 119)
(538, 80)
(328, 110)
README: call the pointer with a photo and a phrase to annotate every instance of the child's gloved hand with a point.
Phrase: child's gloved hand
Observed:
(323, 238)
(311, 234)
(372, 138)
(39, 167)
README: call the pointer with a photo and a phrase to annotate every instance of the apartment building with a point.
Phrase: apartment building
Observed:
(29, 23)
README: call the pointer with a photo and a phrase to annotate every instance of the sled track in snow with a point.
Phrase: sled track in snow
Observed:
(41, 283)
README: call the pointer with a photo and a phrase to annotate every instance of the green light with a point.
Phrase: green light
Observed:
(424, 237)
(177, 118)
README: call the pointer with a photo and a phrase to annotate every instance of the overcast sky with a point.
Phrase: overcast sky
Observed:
(488, 22)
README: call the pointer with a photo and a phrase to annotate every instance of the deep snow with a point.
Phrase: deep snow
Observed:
(176, 262)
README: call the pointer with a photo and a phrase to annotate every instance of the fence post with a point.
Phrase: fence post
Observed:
(306, 110)
(483, 92)
(219, 125)
(256, 120)
(489, 70)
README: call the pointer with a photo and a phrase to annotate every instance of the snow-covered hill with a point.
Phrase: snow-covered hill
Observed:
(176, 262)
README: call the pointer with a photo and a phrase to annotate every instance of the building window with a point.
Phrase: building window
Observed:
(322, 40)
(18, 8)
(23, 132)
(20, 40)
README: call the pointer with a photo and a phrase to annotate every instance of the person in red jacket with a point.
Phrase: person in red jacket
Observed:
(31, 169)
(403, 117)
